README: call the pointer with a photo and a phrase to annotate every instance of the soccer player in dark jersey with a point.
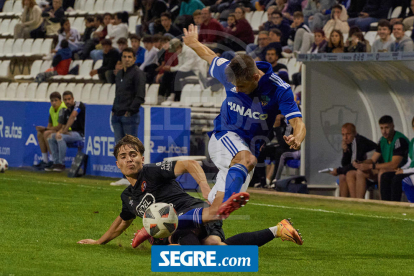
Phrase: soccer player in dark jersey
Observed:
(156, 183)
(254, 96)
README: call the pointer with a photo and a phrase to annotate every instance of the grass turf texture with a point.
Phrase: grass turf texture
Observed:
(43, 215)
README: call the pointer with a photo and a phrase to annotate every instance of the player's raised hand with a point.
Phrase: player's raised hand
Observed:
(191, 35)
(292, 142)
(87, 241)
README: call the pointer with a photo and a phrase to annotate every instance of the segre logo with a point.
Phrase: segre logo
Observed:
(204, 258)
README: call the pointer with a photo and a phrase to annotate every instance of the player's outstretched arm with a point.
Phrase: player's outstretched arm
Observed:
(299, 133)
(118, 226)
(191, 40)
(194, 169)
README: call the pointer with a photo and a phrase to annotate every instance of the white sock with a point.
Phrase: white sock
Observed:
(267, 181)
(51, 157)
(274, 230)
(44, 157)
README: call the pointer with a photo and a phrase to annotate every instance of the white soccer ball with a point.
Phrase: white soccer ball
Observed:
(160, 220)
(3, 165)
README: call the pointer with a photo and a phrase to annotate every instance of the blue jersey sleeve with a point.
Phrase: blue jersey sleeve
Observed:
(217, 68)
(287, 104)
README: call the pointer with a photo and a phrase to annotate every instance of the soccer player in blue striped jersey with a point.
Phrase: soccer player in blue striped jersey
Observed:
(254, 96)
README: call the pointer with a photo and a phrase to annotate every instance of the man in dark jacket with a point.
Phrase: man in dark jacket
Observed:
(354, 148)
(276, 21)
(110, 58)
(373, 11)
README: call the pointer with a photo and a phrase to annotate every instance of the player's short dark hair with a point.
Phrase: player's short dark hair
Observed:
(130, 141)
(67, 93)
(128, 50)
(134, 36)
(350, 126)
(147, 39)
(276, 32)
(122, 40)
(106, 41)
(386, 119)
(337, 6)
(166, 14)
(55, 95)
(64, 44)
(240, 67)
(298, 14)
(385, 23)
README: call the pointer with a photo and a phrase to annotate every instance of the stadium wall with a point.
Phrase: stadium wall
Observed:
(360, 92)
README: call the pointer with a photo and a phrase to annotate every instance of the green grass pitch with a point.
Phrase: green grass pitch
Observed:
(43, 215)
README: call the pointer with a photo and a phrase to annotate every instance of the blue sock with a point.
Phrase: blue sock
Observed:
(235, 179)
(408, 188)
(191, 219)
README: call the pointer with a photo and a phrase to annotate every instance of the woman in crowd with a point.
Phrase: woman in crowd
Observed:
(319, 46)
(336, 42)
(70, 34)
(242, 31)
(31, 19)
(55, 13)
(357, 44)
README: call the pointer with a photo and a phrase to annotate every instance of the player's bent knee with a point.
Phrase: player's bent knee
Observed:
(213, 240)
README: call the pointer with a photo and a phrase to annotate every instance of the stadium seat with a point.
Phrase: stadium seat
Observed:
(37, 46)
(103, 94)
(265, 18)
(108, 7)
(12, 25)
(61, 88)
(219, 97)
(17, 47)
(293, 67)
(249, 16)
(84, 69)
(128, 6)
(99, 6)
(41, 93)
(3, 89)
(31, 91)
(151, 96)
(94, 97)
(46, 48)
(190, 94)
(52, 88)
(132, 23)
(70, 87)
(256, 20)
(86, 92)
(21, 91)
(77, 91)
(371, 36)
(185, 93)
(79, 24)
(4, 69)
(4, 27)
(283, 61)
(17, 8)
(2, 42)
(8, 7)
(68, 77)
(26, 48)
(396, 12)
(205, 99)
(46, 65)
(34, 70)
(11, 91)
(89, 6)
(111, 95)
(7, 48)
(118, 5)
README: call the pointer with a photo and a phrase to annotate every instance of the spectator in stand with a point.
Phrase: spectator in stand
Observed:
(275, 36)
(354, 148)
(269, 12)
(122, 45)
(118, 28)
(168, 27)
(90, 27)
(187, 8)
(102, 30)
(129, 96)
(317, 13)
(231, 22)
(256, 51)
(392, 182)
(338, 21)
(278, 23)
(240, 34)
(373, 11)
(150, 58)
(89, 39)
(56, 111)
(60, 63)
(355, 7)
(280, 4)
(73, 130)
(55, 13)
(152, 10)
(357, 44)
(409, 20)
(166, 78)
(197, 19)
(110, 58)
(189, 64)
(300, 35)
(406, 15)
(139, 51)
(71, 35)
(272, 56)
(390, 154)
(291, 7)
(319, 46)
(383, 43)
(402, 42)
(336, 42)
(211, 31)
(31, 20)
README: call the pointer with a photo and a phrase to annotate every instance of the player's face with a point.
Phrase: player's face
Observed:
(387, 130)
(69, 101)
(55, 103)
(245, 86)
(347, 135)
(383, 32)
(129, 161)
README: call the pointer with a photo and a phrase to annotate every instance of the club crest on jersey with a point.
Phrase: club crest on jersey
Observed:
(247, 112)
(220, 61)
(265, 100)
(143, 186)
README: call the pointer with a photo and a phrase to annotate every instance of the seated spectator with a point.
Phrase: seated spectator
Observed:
(291, 7)
(187, 8)
(152, 11)
(139, 51)
(189, 64)
(118, 28)
(280, 4)
(71, 35)
(383, 43)
(319, 46)
(272, 56)
(357, 44)
(354, 7)
(317, 13)
(150, 58)
(90, 41)
(55, 13)
(336, 42)
(402, 42)
(408, 19)
(31, 20)
(338, 21)
(269, 12)
(406, 12)
(73, 130)
(168, 27)
(56, 111)
(354, 148)
(390, 154)
(275, 36)
(278, 23)
(102, 29)
(111, 56)
(166, 58)
(211, 30)
(241, 33)
(231, 22)
(90, 27)
(393, 183)
(60, 64)
(373, 11)
(256, 51)
(300, 35)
